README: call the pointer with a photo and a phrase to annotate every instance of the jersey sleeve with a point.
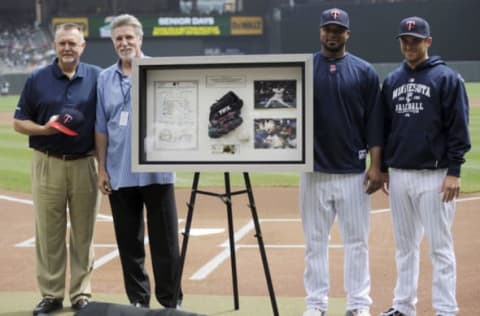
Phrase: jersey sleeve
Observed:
(455, 106)
(387, 119)
(25, 108)
(375, 110)
(101, 117)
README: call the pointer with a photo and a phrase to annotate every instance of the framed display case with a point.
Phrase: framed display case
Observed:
(223, 113)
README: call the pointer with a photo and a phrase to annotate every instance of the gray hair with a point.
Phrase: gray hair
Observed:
(127, 20)
(69, 27)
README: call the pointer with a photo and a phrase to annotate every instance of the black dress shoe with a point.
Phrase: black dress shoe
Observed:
(47, 305)
(80, 304)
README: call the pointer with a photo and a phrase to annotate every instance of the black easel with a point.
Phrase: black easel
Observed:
(227, 199)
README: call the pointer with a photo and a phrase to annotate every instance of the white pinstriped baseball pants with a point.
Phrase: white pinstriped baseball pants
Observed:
(324, 197)
(417, 207)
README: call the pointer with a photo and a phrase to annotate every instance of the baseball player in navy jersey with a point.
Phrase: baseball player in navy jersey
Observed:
(348, 123)
(427, 136)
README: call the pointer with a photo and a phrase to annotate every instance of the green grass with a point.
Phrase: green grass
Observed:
(15, 156)
(471, 169)
(473, 89)
(8, 103)
(216, 179)
(15, 159)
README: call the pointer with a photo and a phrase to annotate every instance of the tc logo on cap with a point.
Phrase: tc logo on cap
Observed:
(69, 121)
(335, 16)
(67, 118)
(335, 13)
(414, 26)
(410, 25)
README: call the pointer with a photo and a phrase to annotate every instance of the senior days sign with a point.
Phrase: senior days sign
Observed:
(177, 25)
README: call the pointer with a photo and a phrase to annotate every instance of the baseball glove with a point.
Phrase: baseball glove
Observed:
(225, 115)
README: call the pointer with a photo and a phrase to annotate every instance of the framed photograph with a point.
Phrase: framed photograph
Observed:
(223, 113)
(271, 94)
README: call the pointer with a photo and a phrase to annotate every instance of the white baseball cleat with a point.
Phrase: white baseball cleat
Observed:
(391, 312)
(358, 312)
(314, 312)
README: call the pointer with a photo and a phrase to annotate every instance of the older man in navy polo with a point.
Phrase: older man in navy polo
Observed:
(63, 168)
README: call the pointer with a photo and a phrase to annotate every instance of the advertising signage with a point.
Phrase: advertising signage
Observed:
(190, 26)
(178, 26)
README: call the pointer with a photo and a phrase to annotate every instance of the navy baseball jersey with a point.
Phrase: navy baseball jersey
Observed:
(426, 123)
(346, 100)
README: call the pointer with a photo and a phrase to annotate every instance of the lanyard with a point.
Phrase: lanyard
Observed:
(125, 92)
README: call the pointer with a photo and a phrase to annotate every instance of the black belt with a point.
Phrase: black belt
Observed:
(65, 156)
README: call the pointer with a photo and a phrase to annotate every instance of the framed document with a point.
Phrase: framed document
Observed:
(223, 113)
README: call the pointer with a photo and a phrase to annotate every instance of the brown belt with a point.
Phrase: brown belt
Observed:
(65, 156)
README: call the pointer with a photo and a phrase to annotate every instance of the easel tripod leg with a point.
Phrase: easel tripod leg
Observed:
(261, 246)
(186, 235)
(228, 202)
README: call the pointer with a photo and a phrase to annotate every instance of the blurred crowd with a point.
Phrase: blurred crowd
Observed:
(23, 47)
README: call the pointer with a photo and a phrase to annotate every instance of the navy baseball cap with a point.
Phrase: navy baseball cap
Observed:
(414, 26)
(68, 122)
(335, 16)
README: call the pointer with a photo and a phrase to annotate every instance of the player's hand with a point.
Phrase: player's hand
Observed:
(49, 130)
(373, 180)
(53, 118)
(450, 188)
(103, 182)
(386, 183)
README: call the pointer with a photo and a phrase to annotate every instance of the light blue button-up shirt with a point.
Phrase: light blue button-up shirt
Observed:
(113, 99)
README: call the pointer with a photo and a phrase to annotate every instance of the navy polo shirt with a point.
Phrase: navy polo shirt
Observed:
(46, 92)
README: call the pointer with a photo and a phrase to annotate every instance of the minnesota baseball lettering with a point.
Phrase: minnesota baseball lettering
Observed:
(411, 88)
(408, 107)
(408, 98)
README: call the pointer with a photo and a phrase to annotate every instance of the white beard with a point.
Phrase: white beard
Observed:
(127, 56)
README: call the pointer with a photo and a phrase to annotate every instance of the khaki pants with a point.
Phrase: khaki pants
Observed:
(57, 184)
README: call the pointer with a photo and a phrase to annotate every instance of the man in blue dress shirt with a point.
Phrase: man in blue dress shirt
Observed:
(129, 192)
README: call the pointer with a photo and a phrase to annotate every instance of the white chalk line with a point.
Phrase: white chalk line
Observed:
(216, 261)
